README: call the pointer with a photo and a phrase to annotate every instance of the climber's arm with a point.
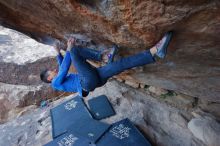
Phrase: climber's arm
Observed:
(65, 65)
(63, 69)
(59, 59)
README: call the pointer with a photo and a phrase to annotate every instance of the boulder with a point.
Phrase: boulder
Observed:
(206, 130)
(211, 107)
(13, 98)
(20, 49)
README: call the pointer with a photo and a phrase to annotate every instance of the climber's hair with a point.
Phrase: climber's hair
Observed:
(43, 76)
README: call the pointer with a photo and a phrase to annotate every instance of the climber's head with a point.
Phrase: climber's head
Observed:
(48, 75)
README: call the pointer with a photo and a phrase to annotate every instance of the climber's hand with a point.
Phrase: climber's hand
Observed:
(70, 43)
(57, 46)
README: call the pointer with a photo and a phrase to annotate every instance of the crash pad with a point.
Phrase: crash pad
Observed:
(69, 139)
(67, 113)
(91, 129)
(100, 107)
(123, 133)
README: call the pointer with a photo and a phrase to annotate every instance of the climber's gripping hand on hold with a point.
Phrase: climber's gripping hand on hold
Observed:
(70, 43)
(57, 47)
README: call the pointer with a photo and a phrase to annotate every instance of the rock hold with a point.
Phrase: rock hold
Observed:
(157, 90)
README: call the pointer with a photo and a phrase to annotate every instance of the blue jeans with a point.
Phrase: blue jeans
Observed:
(91, 77)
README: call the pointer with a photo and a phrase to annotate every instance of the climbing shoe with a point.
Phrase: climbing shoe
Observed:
(112, 53)
(162, 45)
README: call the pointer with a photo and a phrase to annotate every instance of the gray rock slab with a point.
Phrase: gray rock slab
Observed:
(18, 48)
(206, 129)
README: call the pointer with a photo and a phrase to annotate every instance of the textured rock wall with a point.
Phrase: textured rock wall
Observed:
(192, 66)
(27, 74)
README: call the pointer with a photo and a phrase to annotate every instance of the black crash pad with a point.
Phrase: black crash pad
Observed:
(100, 107)
(65, 114)
(123, 133)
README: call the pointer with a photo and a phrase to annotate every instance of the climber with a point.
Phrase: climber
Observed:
(88, 77)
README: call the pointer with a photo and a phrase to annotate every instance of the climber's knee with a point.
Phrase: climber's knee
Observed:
(75, 50)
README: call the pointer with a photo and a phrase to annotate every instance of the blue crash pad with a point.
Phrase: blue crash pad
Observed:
(90, 129)
(123, 133)
(67, 113)
(100, 107)
(69, 139)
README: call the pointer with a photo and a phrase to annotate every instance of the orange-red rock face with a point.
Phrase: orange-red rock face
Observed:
(192, 66)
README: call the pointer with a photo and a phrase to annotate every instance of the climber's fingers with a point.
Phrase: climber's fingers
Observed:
(71, 41)
(57, 46)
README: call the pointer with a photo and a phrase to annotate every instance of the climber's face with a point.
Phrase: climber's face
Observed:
(51, 74)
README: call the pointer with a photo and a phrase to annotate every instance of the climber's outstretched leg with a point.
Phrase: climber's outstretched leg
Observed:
(96, 55)
(91, 54)
(146, 57)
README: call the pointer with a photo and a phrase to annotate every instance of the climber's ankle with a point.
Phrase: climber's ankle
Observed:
(153, 50)
(105, 56)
